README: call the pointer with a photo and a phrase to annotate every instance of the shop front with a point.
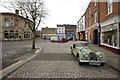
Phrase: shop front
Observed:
(110, 36)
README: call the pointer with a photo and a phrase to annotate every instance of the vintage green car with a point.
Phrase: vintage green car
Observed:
(85, 54)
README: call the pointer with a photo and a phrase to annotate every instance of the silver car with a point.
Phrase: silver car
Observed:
(85, 54)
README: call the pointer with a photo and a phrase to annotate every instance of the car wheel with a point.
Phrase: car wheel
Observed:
(102, 64)
(80, 63)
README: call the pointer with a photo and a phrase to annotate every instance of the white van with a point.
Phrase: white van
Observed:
(54, 39)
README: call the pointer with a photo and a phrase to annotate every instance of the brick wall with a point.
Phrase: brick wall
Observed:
(103, 10)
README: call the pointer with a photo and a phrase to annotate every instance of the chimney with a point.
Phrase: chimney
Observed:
(17, 11)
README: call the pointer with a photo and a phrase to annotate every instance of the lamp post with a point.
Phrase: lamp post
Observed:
(99, 27)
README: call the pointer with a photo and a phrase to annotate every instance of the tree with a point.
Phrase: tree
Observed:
(33, 9)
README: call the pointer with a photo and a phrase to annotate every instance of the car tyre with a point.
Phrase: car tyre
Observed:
(80, 63)
(77, 55)
(102, 64)
(71, 51)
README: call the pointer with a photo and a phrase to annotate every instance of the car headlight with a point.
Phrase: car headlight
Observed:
(100, 55)
(85, 55)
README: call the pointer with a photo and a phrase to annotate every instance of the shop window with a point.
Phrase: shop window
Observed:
(110, 38)
(6, 34)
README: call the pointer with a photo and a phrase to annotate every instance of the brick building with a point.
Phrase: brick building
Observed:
(48, 32)
(14, 27)
(70, 29)
(91, 22)
(109, 24)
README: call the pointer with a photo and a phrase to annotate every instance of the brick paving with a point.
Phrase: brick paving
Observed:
(60, 69)
(56, 61)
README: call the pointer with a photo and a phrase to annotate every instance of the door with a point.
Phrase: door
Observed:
(95, 36)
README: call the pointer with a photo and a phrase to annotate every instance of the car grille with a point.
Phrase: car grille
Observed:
(92, 56)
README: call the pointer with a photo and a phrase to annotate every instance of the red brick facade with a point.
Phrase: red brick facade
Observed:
(103, 10)
(109, 22)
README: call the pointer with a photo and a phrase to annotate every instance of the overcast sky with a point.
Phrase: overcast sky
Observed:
(62, 11)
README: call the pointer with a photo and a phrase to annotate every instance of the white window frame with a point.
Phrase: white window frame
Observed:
(110, 6)
(95, 16)
(95, 3)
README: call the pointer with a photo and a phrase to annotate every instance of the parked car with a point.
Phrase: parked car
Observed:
(85, 54)
(54, 39)
(63, 40)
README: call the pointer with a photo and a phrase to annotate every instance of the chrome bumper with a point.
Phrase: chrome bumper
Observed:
(93, 62)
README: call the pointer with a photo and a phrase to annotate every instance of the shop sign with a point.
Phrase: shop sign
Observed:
(109, 27)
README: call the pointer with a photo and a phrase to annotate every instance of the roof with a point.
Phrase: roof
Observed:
(64, 25)
(12, 14)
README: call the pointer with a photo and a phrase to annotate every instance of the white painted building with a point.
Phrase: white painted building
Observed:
(80, 29)
(60, 31)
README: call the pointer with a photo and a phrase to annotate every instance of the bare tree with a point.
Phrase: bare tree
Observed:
(34, 10)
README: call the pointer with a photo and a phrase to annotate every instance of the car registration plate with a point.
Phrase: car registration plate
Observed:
(94, 63)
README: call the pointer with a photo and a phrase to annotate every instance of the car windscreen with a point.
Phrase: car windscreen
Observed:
(82, 44)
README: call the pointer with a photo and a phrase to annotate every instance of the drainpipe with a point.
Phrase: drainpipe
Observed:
(99, 27)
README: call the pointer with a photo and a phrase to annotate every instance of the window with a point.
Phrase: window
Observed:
(59, 29)
(95, 17)
(11, 34)
(16, 34)
(6, 34)
(89, 22)
(89, 10)
(94, 2)
(62, 31)
(6, 23)
(26, 34)
(110, 35)
(110, 7)
(16, 22)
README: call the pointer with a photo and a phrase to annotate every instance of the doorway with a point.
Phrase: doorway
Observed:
(95, 36)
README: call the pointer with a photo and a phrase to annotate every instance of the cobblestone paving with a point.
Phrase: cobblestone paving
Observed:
(56, 61)
(60, 69)
(55, 57)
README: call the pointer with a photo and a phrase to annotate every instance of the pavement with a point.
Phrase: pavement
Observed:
(20, 61)
(112, 58)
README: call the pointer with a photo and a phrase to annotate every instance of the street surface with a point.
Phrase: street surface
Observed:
(14, 49)
(56, 61)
